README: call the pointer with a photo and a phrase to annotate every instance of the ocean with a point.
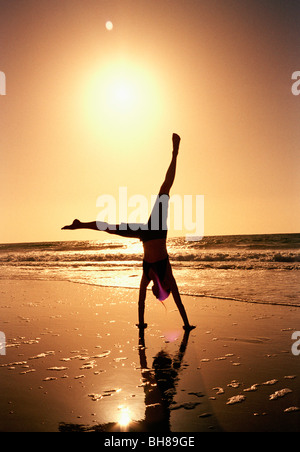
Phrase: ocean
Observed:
(246, 268)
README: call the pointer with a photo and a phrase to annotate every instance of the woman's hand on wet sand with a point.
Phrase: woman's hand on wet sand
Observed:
(189, 327)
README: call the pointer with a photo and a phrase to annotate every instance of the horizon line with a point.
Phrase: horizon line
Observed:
(173, 237)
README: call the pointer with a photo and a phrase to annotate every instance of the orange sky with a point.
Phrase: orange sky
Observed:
(88, 110)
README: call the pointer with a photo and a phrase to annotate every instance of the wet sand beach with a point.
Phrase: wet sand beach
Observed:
(75, 362)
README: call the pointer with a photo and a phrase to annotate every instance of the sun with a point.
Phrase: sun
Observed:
(122, 86)
(122, 95)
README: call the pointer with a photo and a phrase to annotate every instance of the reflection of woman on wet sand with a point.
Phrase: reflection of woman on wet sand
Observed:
(160, 385)
(160, 388)
(156, 264)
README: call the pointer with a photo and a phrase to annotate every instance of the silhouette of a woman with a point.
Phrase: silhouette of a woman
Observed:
(156, 264)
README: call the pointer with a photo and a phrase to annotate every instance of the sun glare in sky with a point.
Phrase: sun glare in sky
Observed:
(121, 94)
(99, 89)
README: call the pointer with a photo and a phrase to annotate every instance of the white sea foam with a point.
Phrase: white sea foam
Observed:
(292, 409)
(258, 268)
(279, 394)
(236, 399)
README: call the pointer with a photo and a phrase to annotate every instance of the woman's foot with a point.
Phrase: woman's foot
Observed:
(176, 141)
(75, 225)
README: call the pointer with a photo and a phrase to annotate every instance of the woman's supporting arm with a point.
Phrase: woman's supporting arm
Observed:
(179, 304)
(142, 297)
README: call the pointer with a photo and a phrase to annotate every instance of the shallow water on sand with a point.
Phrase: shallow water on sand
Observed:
(259, 268)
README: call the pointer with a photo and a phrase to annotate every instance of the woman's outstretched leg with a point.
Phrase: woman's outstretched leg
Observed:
(124, 230)
(170, 175)
(77, 224)
(158, 218)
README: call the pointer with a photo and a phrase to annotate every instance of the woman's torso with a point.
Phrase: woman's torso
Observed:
(155, 250)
